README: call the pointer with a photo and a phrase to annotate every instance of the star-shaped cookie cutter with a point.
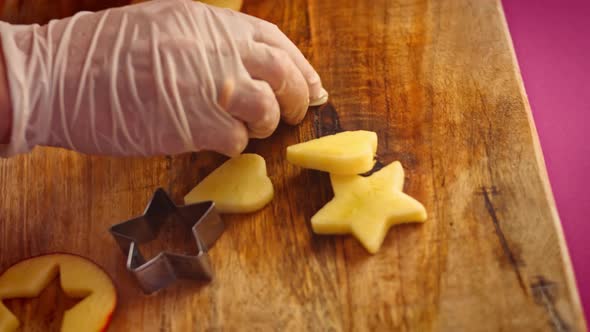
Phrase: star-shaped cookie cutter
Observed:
(165, 268)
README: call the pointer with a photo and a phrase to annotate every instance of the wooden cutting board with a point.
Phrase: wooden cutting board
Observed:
(438, 81)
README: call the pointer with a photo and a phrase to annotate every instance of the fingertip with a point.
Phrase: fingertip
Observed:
(275, 66)
(240, 140)
(314, 82)
(319, 99)
(270, 120)
(297, 114)
(235, 142)
(271, 35)
(254, 103)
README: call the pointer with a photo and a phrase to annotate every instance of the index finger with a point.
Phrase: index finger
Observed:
(270, 34)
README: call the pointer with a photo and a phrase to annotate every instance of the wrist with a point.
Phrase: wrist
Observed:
(5, 104)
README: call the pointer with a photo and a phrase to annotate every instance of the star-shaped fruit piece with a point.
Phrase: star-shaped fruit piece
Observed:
(368, 206)
(240, 185)
(348, 152)
(79, 278)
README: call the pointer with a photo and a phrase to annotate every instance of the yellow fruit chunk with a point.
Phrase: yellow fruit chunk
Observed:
(232, 4)
(79, 278)
(240, 185)
(368, 206)
(346, 153)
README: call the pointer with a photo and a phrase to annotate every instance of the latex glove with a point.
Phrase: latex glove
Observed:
(161, 77)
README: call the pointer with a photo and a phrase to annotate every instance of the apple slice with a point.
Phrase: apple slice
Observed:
(346, 153)
(79, 278)
(240, 185)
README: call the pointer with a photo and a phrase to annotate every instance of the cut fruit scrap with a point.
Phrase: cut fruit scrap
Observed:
(368, 206)
(231, 4)
(240, 185)
(346, 153)
(79, 278)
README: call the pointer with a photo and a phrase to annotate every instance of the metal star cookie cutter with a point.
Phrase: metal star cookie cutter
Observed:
(165, 268)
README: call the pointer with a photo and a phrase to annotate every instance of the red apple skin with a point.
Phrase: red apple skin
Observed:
(109, 318)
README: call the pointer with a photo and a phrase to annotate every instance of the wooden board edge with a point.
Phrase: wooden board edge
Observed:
(538, 151)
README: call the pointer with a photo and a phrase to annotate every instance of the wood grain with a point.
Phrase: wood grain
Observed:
(438, 82)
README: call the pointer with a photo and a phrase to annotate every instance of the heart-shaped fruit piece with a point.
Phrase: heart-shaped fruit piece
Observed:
(240, 185)
(346, 153)
(79, 278)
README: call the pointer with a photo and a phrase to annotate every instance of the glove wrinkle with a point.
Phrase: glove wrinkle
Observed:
(160, 77)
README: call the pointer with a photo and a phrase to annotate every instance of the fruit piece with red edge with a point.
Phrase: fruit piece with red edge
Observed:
(79, 278)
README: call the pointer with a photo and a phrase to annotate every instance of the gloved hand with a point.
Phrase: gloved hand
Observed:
(161, 77)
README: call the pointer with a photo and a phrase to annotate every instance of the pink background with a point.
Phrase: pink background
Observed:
(552, 42)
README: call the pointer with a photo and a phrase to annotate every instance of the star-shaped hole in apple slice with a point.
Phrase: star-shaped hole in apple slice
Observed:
(44, 312)
(367, 207)
(78, 277)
